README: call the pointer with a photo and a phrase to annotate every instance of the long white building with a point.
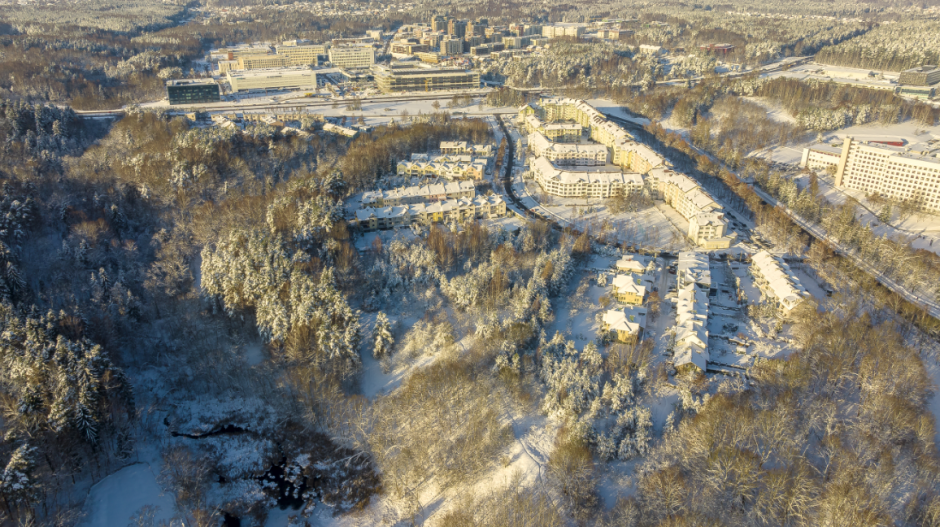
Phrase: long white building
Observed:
(876, 167)
(591, 183)
(272, 79)
(707, 226)
(352, 56)
(690, 347)
(418, 194)
(777, 282)
(445, 166)
(567, 153)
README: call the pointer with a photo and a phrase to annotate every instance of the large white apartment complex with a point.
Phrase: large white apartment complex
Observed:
(707, 226)
(900, 172)
(592, 183)
(567, 153)
(625, 151)
(777, 282)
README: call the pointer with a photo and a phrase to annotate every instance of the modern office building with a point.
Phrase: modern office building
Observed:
(408, 76)
(408, 48)
(922, 76)
(189, 91)
(303, 55)
(924, 93)
(272, 79)
(257, 62)
(352, 56)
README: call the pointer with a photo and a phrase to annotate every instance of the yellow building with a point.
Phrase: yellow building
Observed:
(628, 290)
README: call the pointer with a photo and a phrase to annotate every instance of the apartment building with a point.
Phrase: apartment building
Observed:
(625, 151)
(564, 30)
(444, 166)
(446, 211)
(451, 46)
(692, 269)
(777, 281)
(690, 347)
(592, 183)
(629, 290)
(554, 131)
(465, 148)
(626, 324)
(340, 130)
(707, 226)
(567, 154)
(709, 231)
(404, 77)
(418, 194)
(909, 172)
(352, 56)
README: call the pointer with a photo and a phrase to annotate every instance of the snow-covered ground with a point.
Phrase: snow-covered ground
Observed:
(120, 496)
(656, 227)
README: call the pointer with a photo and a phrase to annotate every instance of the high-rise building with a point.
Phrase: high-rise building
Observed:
(457, 28)
(452, 46)
(439, 23)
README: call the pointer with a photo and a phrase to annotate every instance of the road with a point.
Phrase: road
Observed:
(291, 104)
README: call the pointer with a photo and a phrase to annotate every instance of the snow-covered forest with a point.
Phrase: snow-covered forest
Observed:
(194, 328)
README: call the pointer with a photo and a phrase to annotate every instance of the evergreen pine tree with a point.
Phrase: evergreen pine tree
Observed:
(382, 339)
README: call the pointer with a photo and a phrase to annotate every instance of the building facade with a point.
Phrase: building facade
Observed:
(922, 76)
(777, 282)
(904, 173)
(404, 77)
(272, 79)
(446, 211)
(595, 183)
(567, 154)
(352, 56)
(189, 91)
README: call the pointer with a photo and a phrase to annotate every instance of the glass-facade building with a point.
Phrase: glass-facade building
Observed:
(192, 91)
